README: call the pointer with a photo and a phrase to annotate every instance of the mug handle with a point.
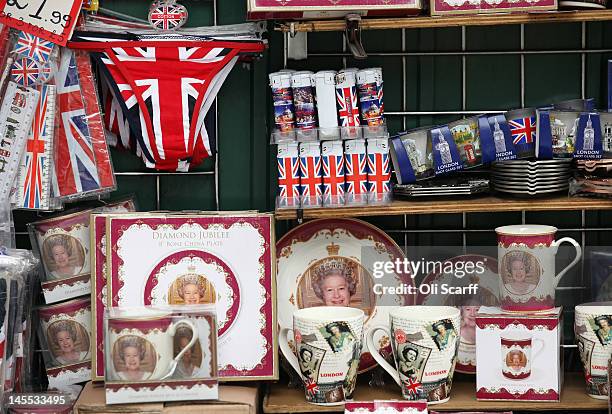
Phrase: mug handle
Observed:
(555, 244)
(194, 338)
(540, 347)
(376, 354)
(283, 341)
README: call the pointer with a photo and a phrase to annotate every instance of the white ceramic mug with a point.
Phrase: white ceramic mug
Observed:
(141, 345)
(526, 257)
(593, 330)
(327, 340)
(425, 340)
(517, 354)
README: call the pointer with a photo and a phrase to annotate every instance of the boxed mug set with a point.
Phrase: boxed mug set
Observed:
(518, 347)
(160, 354)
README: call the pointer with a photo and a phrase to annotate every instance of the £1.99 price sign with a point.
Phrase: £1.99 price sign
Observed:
(53, 20)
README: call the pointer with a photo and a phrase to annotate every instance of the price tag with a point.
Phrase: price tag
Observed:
(53, 20)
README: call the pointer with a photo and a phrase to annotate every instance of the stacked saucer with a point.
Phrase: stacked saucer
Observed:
(531, 178)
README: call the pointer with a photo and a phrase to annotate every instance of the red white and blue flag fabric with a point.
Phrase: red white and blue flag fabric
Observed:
(165, 89)
(289, 177)
(348, 112)
(81, 157)
(523, 130)
(33, 179)
(33, 47)
(356, 173)
(379, 173)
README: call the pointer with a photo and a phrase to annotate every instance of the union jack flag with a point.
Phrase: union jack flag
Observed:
(379, 173)
(381, 98)
(311, 387)
(348, 112)
(168, 16)
(33, 47)
(356, 173)
(26, 71)
(288, 177)
(333, 175)
(75, 162)
(523, 130)
(32, 193)
(412, 387)
(311, 180)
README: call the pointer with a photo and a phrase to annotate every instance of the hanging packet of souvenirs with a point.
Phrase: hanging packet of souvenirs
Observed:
(82, 161)
(16, 115)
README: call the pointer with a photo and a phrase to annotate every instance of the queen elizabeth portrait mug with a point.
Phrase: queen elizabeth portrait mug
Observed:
(327, 342)
(425, 341)
(140, 345)
(517, 354)
(526, 257)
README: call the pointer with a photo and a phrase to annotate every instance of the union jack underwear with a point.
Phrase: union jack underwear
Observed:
(164, 85)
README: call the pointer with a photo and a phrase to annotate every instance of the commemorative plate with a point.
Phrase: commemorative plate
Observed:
(321, 263)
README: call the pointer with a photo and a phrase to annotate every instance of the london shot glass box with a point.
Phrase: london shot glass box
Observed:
(519, 355)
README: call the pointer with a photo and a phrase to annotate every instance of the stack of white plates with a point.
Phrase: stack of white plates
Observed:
(530, 178)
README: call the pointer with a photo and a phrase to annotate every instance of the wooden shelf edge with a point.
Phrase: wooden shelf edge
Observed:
(280, 399)
(452, 21)
(476, 205)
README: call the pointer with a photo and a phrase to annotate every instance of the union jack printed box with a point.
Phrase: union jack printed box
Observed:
(311, 177)
(288, 162)
(320, 9)
(379, 171)
(332, 160)
(356, 171)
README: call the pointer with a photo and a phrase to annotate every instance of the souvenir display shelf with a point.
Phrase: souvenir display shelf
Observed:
(281, 399)
(451, 21)
(475, 205)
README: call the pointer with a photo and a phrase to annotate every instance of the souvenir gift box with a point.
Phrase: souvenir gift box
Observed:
(65, 336)
(317, 9)
(160, 354)
(443, 7)
(519, 355)
(223, 259)
(63, 244)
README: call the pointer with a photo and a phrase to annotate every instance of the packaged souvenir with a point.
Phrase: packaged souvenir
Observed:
(325, 83)
(589, 143)
(523, 128)
(314, 9)
(303, 99)
(466, 135)
(63, 244)
(160, 354)
(580, 105)
(519, 355)
(356, 172)
(497, 141)
(225, 259)
(332, 162)
(379, 170)
(289, 184)
(65, 336)
(446, 7)
(556, 135)
(446, 156)
(606, 133)
(282, 99)
(311, 174)
(411, 153)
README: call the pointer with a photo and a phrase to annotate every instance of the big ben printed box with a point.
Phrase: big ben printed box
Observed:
(519, 356)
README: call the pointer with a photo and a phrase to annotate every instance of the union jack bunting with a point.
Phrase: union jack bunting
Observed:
(75, 155)
(288, 177)
(165, 90)
(348, 112)
(523, 130)
(167, 16)
(33, 178)
(26, 71)
(33, 47)
(333, 175)
(356, 173)
(311, 180)
(379, 174)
